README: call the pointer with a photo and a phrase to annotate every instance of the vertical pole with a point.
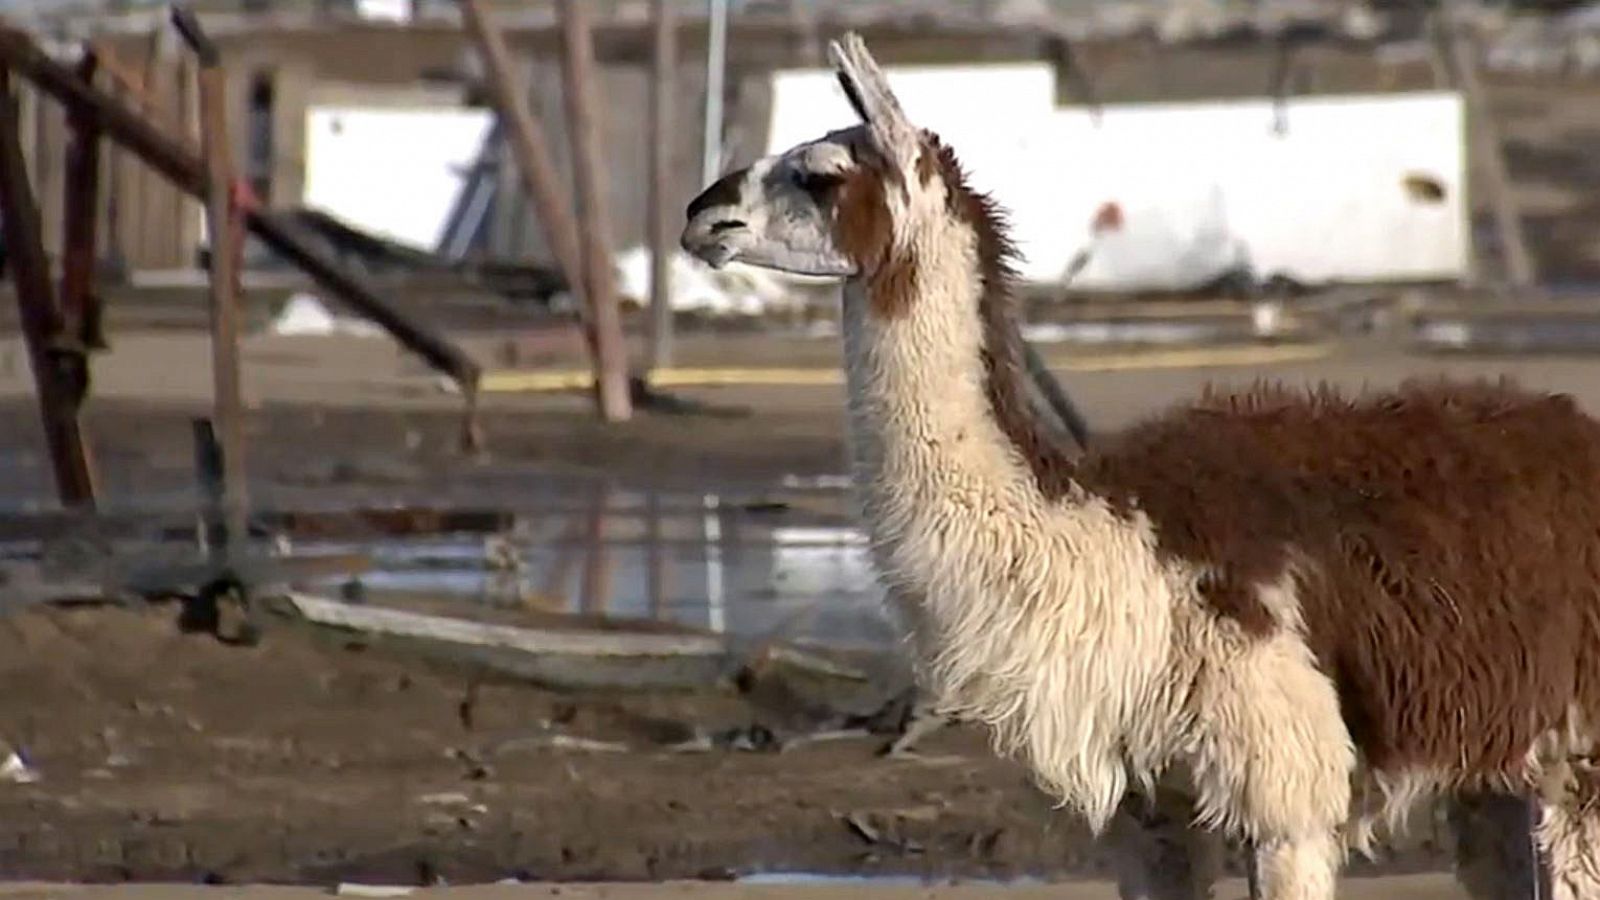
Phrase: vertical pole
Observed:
(146, 235)
(185, 98)
(212, 530)
(1485, 136)
(595, 592)
(664, 64)
(30, 275)
(543, 184)
(716, 67)
(716, 609)
(599, 279)
(655, 570)
(80, 307)
(225, 227)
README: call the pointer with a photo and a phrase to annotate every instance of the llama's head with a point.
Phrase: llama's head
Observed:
(834, 206)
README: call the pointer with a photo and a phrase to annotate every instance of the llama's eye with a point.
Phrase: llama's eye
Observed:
(817, 182)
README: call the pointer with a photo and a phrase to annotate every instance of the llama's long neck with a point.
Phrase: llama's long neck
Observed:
(1035, 608)
(938, 401)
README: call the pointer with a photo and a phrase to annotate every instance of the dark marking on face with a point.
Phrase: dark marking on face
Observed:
(725, 191)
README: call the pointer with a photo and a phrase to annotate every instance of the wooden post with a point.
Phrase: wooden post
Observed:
(211, 478)
(599, 281)
(527, 139)
(146, 215)
(663, 247)
(554, 208)
(185, 236)
(225, 225)
(80, 306)
(1485, 136)
(30, 275)
(177, 161)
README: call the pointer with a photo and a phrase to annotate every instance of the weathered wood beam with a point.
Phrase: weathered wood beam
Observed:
(80, 305)
(36, 303)
(553, 205)
(661, 224)
(225, 227)
(181, 165)
(529, 145)
(599, 280)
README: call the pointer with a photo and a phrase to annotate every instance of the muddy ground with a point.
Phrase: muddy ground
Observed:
(172, 757)
(1416, 887)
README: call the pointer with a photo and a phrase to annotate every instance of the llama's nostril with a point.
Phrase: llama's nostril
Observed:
(726, 225)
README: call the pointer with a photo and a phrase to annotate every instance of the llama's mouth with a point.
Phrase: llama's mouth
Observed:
(710, 246)
(716, 255)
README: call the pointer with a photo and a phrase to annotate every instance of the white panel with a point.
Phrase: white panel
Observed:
(394, 172)
(385, 10)
(970, 107)
(1203, 187)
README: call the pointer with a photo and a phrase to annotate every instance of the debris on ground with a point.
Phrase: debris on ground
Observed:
(17, 770)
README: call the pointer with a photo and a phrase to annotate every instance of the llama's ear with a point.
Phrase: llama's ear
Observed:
(868, 91)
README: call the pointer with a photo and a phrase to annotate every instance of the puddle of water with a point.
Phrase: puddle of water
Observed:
(778, 563)
(702, 561)
(1531, 334)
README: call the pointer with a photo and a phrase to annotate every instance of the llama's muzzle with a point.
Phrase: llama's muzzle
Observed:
(712, 240)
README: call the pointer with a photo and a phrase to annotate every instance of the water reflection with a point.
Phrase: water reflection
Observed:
(748, 567)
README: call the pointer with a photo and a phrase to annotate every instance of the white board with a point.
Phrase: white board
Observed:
(1202, 187)
(394, 172)
(385, 10)
(962, 103)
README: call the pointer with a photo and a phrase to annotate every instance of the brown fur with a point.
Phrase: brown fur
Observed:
(1444, 539)
(864, 230)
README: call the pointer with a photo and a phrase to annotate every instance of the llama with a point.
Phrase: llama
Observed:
(1275, 615)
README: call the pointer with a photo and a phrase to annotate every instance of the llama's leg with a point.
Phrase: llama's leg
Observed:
(1569, 834)
(1301, 868)
(1158, 854)
(1494, 846)
(924, 719)
(1274, 760)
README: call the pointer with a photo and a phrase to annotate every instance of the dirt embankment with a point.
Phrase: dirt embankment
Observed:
(168, 756)
(164, 756)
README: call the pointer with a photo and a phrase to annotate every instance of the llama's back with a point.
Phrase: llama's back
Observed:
(1444, 540)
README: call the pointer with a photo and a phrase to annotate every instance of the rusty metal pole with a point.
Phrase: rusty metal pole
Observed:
(225, 225)
(664, 65)
(30, 276)
(611, 361)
